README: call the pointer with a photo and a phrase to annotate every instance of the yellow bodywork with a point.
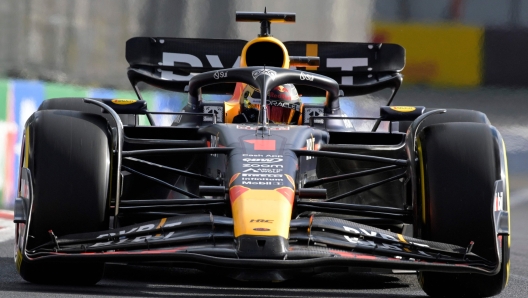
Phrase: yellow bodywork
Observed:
(261, 212)
(232, 107)
(286, 58)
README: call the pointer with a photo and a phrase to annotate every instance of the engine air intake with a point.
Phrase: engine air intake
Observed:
(265, 53)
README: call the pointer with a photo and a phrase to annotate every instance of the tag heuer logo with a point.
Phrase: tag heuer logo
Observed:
(267, 72)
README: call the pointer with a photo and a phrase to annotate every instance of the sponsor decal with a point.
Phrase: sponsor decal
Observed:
(312, 112)
(263, 170)
(281, 88)
(281, 92)
(263, 175)
(216, 110)
(262, 155)
(368, 233)
(24, 188)
(264, 145)
(220, 74)
(214, 143)
(399, 244)
(262, 160)
(135, 240)
(284, 96)
(292, 106)
(262, 220)
(267, 72)
(356, 240)
(171, 59)
(304, 76)
(273, 179)
(254, 127)
(142, 228)
(123, 101)
(257, 165)
(346, 64)
(246, 127)
(310, 145)
(403, 109)
(499, 197)
(261, 183)
(260, 179)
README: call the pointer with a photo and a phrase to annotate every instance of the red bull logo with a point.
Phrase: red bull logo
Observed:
(281, 89)
(280, 94)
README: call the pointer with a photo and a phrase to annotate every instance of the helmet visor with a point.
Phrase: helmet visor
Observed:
(280, 114)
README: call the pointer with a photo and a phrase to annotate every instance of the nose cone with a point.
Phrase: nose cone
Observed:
(261, 212)
(262, 220)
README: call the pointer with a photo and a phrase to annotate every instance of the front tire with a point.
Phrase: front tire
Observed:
(69, 160)
(460, 163)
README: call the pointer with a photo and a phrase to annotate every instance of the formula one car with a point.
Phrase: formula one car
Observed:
(263, 186)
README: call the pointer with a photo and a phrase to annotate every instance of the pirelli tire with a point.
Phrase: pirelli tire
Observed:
(459, 164)
(451, 115)
(78, 104)
(69, 159)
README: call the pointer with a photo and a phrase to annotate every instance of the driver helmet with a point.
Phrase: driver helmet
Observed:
(283, 103)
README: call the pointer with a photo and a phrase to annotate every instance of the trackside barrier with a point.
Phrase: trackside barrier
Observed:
(20, 98)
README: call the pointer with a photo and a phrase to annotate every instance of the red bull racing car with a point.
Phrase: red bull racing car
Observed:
(263, 186)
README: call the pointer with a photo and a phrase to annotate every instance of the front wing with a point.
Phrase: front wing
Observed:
(313, 243)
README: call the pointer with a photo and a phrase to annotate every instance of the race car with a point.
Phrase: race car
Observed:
(263, 186)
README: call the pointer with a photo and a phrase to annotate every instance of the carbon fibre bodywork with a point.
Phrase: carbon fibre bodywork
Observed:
(311, 242)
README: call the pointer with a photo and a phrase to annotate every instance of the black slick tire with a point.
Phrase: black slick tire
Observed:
(69, 159)
(451, 115)
(459, 164)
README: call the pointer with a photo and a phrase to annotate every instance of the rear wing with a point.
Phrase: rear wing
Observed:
(170, 63)
(351, 63)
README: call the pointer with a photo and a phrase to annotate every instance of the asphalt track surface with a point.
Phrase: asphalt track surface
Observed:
(143, 281)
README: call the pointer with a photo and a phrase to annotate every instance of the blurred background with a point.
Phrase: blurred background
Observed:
(460, 54)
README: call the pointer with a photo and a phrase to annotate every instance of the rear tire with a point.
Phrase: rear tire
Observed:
(69, 159)
(461, 163)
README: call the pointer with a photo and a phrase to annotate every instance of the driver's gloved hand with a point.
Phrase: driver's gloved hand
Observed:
(248, 115)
